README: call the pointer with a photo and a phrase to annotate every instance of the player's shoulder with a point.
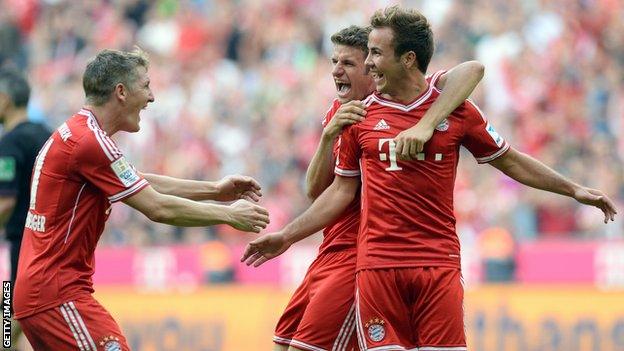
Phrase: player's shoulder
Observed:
(434, 77)
(331, 111)
(88, 137)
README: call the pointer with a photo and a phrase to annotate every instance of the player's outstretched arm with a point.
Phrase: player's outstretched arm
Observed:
(529, 171)
(321, 213)
(230, 188)
(320, 172)
(242, 215)
(457, 84)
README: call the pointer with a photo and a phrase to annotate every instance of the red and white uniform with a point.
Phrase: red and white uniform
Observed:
(407, 217)
(78, 173)
(321, 313)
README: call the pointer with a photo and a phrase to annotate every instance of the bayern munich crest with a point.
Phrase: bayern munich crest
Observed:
(376, 329)
(443, 126)
(110, 343)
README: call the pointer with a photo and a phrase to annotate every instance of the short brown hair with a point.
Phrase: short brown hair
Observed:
(411, 32)
(109, 68)
(353, 36)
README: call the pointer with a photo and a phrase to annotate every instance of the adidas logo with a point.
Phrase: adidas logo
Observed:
(381, 125)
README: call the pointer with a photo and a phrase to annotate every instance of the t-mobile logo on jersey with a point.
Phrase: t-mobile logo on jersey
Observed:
(392, 151)
(394, 166)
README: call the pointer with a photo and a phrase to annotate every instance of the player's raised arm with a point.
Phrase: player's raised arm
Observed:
(457, 84)
(320, 172)
(323, 211)
(531, 172)
(230, 188)
(173, 210)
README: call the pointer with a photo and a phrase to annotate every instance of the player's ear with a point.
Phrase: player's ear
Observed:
(409, 60)
(120, 91)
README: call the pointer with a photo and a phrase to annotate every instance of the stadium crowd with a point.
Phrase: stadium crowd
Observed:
(242, 86)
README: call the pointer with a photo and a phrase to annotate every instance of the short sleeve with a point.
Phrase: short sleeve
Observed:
(480, 137)
(349, 153)
(11, 169)
(330, 112)
(101, 163)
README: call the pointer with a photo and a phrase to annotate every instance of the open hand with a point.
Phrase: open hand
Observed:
(265, 248)
(248, 217)
(236, 187)
(350, 113)
(596, 198)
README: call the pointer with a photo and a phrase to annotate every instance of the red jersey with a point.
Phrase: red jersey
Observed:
(407, 206)
(342, 234)
(78, 173)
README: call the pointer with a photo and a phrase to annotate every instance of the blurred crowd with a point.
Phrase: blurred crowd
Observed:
(241, 87)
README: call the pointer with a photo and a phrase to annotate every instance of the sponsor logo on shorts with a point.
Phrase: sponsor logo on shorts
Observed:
(376, 329)
(110, 343)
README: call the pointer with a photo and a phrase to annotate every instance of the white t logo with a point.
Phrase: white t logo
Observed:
(392, 151)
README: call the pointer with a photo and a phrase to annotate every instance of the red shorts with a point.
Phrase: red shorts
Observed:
(82, 324)
(321, 314)
(410, 308)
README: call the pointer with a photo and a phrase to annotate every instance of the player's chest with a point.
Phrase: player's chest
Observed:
(377, 134)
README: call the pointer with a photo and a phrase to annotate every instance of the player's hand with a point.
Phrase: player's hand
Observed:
(350, 113)
(596, 198)
(247, 216)
(411, 141)
(236, 187)
(265, 248)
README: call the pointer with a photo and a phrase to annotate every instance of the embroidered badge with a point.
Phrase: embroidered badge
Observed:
(110, 343)
(376, 329)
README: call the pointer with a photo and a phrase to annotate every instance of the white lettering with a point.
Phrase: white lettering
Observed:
(35, 222)
(37, 172)
(392, 151)
(64, 132)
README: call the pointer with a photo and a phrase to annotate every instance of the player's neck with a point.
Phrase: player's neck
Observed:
(408, 89)
(105, 117)
(14, 118)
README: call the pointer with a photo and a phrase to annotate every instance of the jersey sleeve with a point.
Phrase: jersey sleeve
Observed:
(480, 137)
(11, 169)
(101, 163)
(434, 78)
(349, 152)
(330, 113)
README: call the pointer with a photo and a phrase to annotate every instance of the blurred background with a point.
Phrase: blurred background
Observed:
(242, 87)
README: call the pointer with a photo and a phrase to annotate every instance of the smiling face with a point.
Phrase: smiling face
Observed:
(349, 72)
(384, 66)
(138, 95)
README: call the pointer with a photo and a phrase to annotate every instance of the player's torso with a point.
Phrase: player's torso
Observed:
(408, 205)
(66, 214)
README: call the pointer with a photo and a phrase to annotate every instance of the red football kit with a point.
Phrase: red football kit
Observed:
(409, 290)
(78, 173)
(321, 313)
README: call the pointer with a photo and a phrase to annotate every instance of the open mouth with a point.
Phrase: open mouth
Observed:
(343, 88)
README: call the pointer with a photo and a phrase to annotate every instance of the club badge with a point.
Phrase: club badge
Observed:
(376, 329)
(110, 343)
(443, 126)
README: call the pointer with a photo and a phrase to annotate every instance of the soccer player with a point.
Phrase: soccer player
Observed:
(321, 313)
(18, 149)
(409, 293)
(78, 173)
